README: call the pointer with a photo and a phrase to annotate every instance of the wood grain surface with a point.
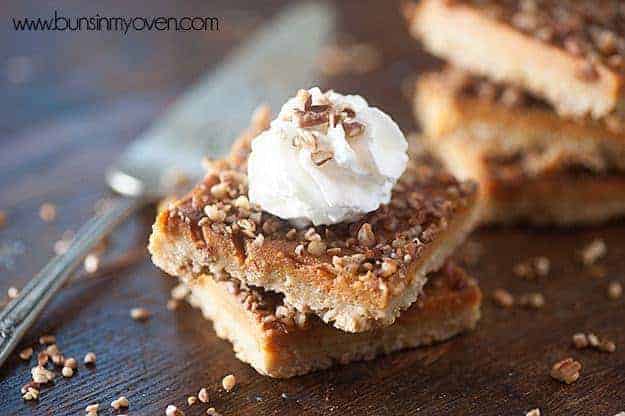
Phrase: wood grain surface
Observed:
(77, 99)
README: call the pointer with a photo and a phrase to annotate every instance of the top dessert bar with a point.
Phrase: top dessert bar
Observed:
(357, 276)
(571, 53)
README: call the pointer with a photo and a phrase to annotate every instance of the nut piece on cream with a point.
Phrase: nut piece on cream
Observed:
(327, 158)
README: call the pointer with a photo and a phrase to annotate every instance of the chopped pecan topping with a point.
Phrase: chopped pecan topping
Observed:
(320, 157)
(309, 118)
(353, 128)
(305, 99)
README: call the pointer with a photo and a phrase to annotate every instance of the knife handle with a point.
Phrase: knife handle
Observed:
(21, 313)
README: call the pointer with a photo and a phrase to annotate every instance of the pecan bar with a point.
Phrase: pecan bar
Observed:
(532, 165)
(356, 276)
(279, 341)
(570, 52)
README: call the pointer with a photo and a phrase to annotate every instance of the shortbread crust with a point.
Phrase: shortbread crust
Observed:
(281, 342)
(356, 276)
(572, 53)
(532, 165)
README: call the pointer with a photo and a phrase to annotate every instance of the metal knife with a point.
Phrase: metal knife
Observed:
(269, 68)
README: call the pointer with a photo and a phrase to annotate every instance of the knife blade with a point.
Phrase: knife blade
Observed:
(269, 68)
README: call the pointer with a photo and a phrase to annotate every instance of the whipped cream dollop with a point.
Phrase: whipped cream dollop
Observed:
(327, 158)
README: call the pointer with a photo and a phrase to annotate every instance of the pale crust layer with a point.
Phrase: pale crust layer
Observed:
(279, 347)
(354, 284)
(505, 42)
(532, 165)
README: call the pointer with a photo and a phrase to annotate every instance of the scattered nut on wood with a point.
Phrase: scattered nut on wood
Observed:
(47, 339)
(12, 292)
(533, 412)
(89, 358)
(26, 353)
(503, 298)
(91, 263)
(203, 395)
(120, 402)
(615, 290)
(580, 341)
(139, 314)
(532, 300)
(41, 375)
(92, 409)
(47, 212)
(593, 252)
(71, 363)
(172, 410)
(566, 370)
(228, 382)
(67, 372)
(30, 393)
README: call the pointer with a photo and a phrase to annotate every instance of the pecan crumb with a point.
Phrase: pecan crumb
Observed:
(228, 382)
(532, 268)
(67, 372)
(30, 392)
(366, 237)
(172, 410)
(580, 341)
(47, 212)
(71, 363)
(139, 314)
(47, 339)
(566, 370)
(26, 353)
(120, 402)
(532, 300)
(89, 358)
(593, 252)
(91, 263)
(606, 346)
(615, 290)
(41, 375)
(306, 119)
(320, 157)
(533, 412)
(203, 395)
(353, 128)
(305, 99)
(316, 248)
(503, 298)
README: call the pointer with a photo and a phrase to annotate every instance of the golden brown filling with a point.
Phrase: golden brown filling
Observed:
(378, 249)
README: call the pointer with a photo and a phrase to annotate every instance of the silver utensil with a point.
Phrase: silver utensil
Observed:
(268, 68)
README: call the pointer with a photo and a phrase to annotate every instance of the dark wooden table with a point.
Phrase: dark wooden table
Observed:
(71, 102)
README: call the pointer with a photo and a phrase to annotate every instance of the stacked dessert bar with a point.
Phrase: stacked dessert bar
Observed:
(293, 300)
(531, 106)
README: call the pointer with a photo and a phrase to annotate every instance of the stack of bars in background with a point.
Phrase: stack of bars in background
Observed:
(531, 105)
(296, 300)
